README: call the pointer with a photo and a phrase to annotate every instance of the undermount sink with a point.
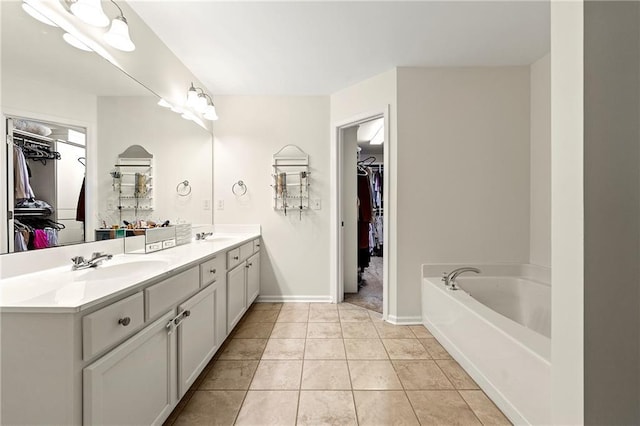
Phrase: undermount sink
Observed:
(219, 238)
(109, 271)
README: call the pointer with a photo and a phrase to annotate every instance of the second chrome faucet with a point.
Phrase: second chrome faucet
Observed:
(97, 258)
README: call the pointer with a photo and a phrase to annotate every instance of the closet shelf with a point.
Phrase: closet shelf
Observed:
(30, 211)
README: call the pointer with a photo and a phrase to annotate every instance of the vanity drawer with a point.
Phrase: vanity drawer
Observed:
(107, 326)
(233, 258)
(256, 245)
(211, 270)
(159, 297)
(246, 250)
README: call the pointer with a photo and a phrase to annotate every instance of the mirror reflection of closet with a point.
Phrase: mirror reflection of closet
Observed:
(46, 172)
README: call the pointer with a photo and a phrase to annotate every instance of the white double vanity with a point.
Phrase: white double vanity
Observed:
(121, 343)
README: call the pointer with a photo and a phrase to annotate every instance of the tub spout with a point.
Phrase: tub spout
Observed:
(450, 279)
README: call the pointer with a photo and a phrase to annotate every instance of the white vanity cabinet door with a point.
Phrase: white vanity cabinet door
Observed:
(253, 278)
(196, 337)
(134, 384)
(220, 287)
(236, 296)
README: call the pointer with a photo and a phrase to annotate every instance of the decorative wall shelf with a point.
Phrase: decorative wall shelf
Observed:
(133, 179)
(291, 180)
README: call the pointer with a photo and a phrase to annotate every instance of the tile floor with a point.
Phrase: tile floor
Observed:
(324, 364)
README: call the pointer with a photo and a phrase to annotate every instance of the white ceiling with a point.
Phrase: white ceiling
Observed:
(320, 47)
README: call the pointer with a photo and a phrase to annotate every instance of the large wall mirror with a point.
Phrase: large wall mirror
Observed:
(70, 113)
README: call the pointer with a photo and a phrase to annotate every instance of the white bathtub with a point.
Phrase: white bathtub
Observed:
(498, 328)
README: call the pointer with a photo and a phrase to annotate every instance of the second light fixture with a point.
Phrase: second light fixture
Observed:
(91, 12)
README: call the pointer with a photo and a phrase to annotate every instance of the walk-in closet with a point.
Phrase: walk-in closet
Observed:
(363, 211)
(46, 168)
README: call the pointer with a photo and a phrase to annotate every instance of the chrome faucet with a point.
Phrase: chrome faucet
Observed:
(97, 258)
(203, 235)
(450, 278)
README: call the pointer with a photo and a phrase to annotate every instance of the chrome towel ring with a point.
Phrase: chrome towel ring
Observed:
(183, 188)
(239, 188)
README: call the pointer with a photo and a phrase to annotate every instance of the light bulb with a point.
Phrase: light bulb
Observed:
(201, 103)
(192, 97)
(118, 35)
(210, 113)
(73, 41)
(90, 12)
(37, 15)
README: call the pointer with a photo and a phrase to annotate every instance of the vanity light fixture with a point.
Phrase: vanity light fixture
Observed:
(73, 41)
(118, 34)
(209, 112)
(201, 102)
(37, 15)
(90, 12)
(192, 96)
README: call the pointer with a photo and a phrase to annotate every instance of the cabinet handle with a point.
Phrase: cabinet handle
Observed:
(236, 257)
(212, 271)
(124, 321)
(186, 313)
(251, 264)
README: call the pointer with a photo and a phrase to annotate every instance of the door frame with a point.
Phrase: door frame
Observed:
(337, 238)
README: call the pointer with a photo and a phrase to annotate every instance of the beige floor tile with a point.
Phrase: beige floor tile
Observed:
(266, 306)
(390, 331)
(441, 408)
(365, 349)
(323, 316)
(484, 408)
(284, 349)
(435, 349)
(289, 330)
(373, 375)
(375, 316)
(354, 315)
(422, 375)
(377, 408)
(324, 375)
(253, 330)
(179, 407)
(349, 306)
(322, 307)
(211, 408)
(405, 349)
(293, 315)
(359, 330)
(229, 375)
(420, 331)
(244, 349)
(295, 306)
(277, 375)
(260, 316)
(326, 408)
(269, 408)
(324, 349)
(456, 374)
(324, 330)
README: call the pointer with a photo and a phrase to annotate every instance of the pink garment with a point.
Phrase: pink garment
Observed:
(40, 239)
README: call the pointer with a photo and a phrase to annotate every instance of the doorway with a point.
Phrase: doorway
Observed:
(361, 185)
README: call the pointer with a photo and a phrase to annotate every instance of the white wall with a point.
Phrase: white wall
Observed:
(567, 224)
(350, 209)
(540, 224)
(295, 253)
(181, 150)
(368, 98)
(463, 175)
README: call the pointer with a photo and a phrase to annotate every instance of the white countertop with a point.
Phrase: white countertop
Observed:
(61, 290)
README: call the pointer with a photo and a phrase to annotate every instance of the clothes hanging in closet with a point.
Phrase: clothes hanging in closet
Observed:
(80, 207)
(22, 187)
(365, 215)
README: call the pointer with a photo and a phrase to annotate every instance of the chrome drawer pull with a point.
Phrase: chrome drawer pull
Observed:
(124, 321)
(213, 271)
(236, 257)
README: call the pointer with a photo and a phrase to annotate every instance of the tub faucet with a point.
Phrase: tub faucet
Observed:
(203, 235)
(450, 278)
(97, 258)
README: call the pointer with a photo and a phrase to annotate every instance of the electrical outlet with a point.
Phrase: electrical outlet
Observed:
(206, 204)
(220, 204)
(316, 204)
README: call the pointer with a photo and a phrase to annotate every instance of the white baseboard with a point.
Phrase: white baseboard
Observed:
(415, 320)
(281, 299)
